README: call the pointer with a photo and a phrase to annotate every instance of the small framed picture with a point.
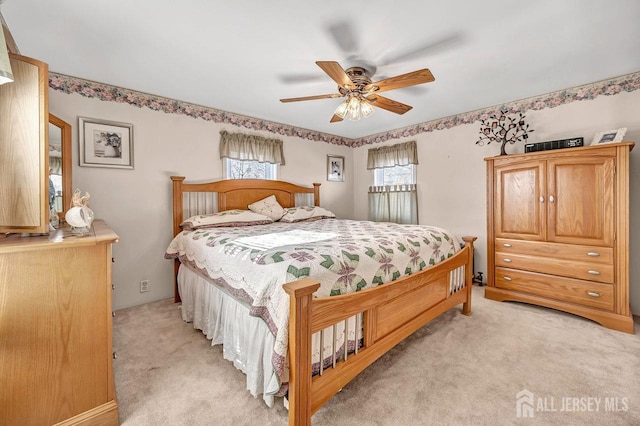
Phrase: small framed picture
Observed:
(105, 143)
(610, 136)
(335, 168)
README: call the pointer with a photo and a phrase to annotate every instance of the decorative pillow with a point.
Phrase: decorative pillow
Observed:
(298, 214)
(225, 218)
(268, 206)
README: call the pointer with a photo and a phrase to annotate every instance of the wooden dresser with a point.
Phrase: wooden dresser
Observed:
(56, 329)
(558, 231)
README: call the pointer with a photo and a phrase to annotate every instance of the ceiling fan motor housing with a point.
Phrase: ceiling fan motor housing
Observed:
(360, 78)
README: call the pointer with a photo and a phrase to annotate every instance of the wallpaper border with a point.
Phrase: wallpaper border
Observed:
(105, 92)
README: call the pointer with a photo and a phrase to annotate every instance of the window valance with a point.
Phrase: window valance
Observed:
(400, 154)
(240, 146)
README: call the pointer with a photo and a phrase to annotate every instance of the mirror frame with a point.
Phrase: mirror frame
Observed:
(65, 142)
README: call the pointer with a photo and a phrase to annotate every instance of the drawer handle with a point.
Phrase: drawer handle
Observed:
(551, 198)
(593, 254)
(114, 355)
(592, 272)
(507, 260)
(507, 245)
(507, 278)
(593, 294)
(541, 199)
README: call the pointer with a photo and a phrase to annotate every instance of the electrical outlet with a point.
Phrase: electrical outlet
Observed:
(144, 286)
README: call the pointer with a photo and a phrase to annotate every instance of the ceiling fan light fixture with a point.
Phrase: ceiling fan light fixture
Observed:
(366, 108)
(341, 111)
(353, 108)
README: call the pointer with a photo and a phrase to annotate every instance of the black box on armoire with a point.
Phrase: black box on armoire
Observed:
(559, 144)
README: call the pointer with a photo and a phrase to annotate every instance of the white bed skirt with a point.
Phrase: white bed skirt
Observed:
(245, 339)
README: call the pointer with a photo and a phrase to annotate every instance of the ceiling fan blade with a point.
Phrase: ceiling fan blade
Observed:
(344, 36)
(388, 104)
(430, 48)
(300, 78)
(336, 118)
(335, 71)
(404, 80)
(310, 98)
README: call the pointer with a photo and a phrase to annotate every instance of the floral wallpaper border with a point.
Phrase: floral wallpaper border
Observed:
(105, 92)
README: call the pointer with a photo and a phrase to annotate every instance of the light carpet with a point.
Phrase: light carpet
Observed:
(455, 370)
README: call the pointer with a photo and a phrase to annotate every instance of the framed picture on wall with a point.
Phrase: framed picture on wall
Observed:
(105, 143)
(335, 168)
(610, 136)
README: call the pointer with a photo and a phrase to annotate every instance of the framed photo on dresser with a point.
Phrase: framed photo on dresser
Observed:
(609, 136)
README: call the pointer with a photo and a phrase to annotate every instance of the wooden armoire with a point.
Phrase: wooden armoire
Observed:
(558, 231)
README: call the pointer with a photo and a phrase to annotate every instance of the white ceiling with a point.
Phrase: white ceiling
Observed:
(243, 56)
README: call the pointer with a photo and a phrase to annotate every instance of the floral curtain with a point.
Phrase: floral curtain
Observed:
(240, 146)
(400, 154)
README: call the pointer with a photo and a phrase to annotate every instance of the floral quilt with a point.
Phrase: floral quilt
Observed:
(252, 262)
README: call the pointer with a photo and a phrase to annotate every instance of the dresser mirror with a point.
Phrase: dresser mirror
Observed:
(60, 163)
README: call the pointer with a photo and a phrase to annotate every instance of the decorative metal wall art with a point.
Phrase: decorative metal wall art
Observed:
(503, 128)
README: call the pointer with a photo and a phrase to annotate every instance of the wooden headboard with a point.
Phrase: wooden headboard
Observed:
(211, 197)
(229, 194)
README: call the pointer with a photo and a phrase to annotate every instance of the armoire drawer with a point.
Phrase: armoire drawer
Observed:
(581, 253)
(591, 271)
(596, 295)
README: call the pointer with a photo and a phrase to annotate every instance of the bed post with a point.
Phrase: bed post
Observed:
(300, 296)
(177, 220)
(468, 279)
(316, 194)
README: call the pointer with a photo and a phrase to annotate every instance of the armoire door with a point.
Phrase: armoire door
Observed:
(581, 200)
(520, 201)
(24, 148)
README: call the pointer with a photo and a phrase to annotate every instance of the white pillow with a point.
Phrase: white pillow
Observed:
(268, 206)
(225, 218)
(298, 214)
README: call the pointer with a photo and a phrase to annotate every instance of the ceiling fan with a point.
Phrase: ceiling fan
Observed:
(361, 93)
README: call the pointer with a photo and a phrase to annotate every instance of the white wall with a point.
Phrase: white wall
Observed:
(136, 204)
(451, 174)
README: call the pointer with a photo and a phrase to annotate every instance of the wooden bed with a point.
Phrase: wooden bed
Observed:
(390, 312)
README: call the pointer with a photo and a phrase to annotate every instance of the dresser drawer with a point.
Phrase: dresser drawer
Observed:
(595, 254)
(596, 295)
(591, 271)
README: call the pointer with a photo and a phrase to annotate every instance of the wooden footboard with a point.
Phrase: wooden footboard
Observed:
(391, 312)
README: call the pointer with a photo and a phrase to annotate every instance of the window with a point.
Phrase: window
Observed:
(249, 169)
(393, 196)
(396, 175)
(250, 157)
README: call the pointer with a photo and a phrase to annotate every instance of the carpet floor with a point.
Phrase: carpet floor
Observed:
(454, 370)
